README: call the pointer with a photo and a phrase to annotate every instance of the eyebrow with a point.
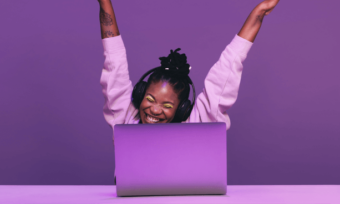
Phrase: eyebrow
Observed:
(155, 99)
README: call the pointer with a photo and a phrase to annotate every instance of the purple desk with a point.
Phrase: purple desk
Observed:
(106, 194)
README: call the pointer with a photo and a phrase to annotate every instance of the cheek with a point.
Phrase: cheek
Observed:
(144, 104)
(141, 108)
(170, 113)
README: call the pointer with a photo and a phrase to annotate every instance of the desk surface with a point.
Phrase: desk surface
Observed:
(107, 194)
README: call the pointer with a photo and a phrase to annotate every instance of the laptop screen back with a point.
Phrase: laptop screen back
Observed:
(170, 159)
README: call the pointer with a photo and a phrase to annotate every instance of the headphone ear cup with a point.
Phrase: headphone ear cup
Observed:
(187, 111)
(138, 93)
(183, 111)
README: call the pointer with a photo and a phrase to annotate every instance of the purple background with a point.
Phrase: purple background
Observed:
(284, 124)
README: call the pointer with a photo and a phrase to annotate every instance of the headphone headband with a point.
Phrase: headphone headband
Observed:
(147, 73)
(189, 80)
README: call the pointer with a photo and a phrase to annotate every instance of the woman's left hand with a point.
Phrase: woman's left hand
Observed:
(268, 5)
(253, 23)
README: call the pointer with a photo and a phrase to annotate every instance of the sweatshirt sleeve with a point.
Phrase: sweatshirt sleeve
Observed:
(115, 82)
(221, 84)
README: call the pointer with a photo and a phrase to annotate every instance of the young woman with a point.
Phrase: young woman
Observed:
(164, 98)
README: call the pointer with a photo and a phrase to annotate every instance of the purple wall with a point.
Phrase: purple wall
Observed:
(284, 125)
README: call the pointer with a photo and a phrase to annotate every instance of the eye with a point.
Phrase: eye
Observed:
(168, 106)
(149, 98)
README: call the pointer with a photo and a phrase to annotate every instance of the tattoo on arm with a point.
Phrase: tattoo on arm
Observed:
(105, 18)
(108, 34)
(259, 18)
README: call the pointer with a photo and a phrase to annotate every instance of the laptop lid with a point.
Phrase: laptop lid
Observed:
(170, 159)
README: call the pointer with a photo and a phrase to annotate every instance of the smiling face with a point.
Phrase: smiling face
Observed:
(159, 104)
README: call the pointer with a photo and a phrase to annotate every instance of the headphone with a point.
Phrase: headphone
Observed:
(184, 108)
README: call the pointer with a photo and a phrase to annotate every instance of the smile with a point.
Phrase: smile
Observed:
(150, 119)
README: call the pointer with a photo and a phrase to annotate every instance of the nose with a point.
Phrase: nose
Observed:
(155, 110)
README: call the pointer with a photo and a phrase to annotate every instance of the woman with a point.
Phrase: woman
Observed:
(164, 98)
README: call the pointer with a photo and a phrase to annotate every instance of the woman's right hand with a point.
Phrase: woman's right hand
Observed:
(107, 17)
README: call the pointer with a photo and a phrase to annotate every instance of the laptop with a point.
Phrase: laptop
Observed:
(171, 159)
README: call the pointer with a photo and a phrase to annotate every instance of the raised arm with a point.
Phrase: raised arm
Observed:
(107, 17)
(253, 23)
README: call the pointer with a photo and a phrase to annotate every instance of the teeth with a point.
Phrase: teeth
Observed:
(152, 119)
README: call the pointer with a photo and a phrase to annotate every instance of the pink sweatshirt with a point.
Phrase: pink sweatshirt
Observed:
(220, 86)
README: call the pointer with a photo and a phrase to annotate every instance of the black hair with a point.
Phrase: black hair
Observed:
(174, 69)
